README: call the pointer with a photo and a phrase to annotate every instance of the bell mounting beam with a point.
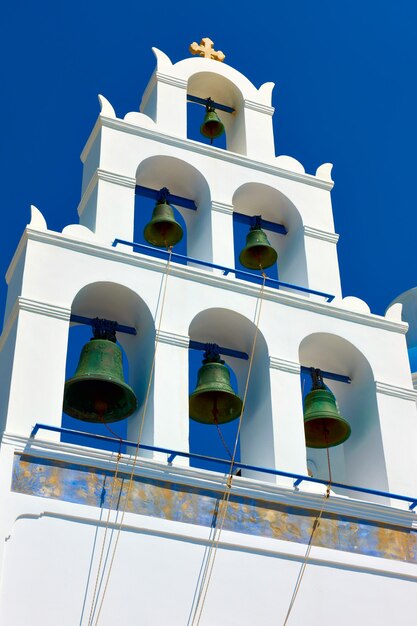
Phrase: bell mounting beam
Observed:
(198, 345)
(340, 378)
(215, 105)
(90, 321)
(264, 224)
(148, 192)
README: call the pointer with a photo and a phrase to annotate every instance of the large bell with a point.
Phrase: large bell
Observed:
(258, 252)
(212, 126)
(163, 230)
(213, 401)
(324, 427)
(98, 392)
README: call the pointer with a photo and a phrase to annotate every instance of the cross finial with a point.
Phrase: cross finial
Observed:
(205, 49)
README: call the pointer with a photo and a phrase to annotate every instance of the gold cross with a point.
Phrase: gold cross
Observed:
(205, 49)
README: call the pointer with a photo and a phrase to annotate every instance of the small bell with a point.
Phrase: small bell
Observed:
(212, 127)
(258, 252)
(213, 401)
(163, 230)
(98, 392)
(324, 427)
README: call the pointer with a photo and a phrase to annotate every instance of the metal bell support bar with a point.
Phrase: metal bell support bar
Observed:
(215, 105)
(187, 203)
(324, 427)
(172, 454)
(92, 321)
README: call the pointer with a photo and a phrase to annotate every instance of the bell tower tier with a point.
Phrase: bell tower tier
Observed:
(200, 297)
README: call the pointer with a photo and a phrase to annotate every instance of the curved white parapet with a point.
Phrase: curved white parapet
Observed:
(106, 108)
(140, 119)
(265, 91)
(163, 62)
(79, 231)
(289, 163)
(351, 303)
(325, 172)
(394, 312)
(408, 300)
(37, 220)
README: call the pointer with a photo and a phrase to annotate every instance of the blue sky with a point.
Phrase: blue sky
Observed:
(345, 93)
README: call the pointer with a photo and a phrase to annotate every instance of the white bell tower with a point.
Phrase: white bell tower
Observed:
(91, 537)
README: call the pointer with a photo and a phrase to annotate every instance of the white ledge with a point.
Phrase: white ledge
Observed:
(221, 207)
(397, 392)
(171, 80)
(195, 146)
(285, 366)
(44, 308)
(260, 108)
(173, 339)
(316, 233)
(32, 306)
(108, 177)
(209, 278)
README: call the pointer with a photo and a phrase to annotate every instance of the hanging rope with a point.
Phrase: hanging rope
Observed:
(223, 506)
(222, 439)
(316, 524)
(136, 455)
(119, 454)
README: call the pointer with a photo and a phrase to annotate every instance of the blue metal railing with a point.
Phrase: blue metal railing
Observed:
(171, 454)
(270, 282)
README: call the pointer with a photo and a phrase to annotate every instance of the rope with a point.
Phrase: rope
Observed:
(316, 524)
(222, 439)
(94, 598)
(136, 455)
(226, 495)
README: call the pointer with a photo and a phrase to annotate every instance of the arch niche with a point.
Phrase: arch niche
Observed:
(182, 179)
(233, 330)
(221, 89)
(117, 302)
(360, 460)
(259, 199)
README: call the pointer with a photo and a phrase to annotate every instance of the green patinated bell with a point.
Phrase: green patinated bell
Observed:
(163, 230)
(258, 252)
(213, 400)
(212, 127)
(97, 392)
(324, 427)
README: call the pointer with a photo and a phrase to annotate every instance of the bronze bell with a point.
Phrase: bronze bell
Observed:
(258, 252)
(98, 392)
(163, 230)
(213, 401)
(324, 427)
(212, 126)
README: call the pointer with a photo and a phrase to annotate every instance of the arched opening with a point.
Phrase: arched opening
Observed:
(185, 181)
(113, 302)
(254, 199)
(210, 85)
(359, 461)
(234, 331)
